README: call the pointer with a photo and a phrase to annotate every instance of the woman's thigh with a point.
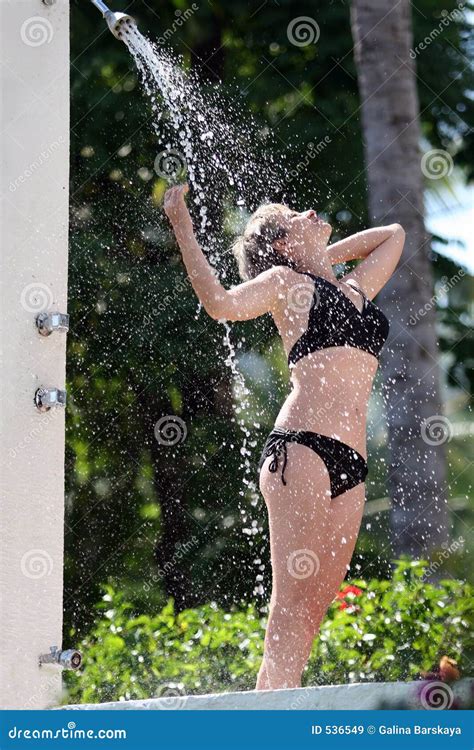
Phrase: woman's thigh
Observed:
(312, 536)
(346, 516)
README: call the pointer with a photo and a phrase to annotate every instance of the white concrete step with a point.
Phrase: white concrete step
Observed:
(357, 696)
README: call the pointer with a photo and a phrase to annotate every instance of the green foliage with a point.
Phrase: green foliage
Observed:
(403, 626)
(390, 631)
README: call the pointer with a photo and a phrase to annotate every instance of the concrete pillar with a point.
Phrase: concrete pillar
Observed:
(34, 146)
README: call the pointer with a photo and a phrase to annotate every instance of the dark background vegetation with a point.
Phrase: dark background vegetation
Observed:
(132, 504)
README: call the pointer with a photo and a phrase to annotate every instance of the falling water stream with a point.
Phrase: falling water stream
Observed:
(218, 150)
(218, 147)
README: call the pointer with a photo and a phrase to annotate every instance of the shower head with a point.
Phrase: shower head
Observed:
(118, 23)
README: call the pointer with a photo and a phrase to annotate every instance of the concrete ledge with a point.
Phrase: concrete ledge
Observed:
(331, 697)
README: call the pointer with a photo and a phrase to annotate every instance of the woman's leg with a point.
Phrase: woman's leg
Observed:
(346, 516)
(312, 539)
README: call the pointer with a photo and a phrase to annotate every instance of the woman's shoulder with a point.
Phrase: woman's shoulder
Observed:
(291, 286)
(282, 273)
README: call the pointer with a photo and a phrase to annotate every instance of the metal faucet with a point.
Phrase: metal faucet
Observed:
(69, 659)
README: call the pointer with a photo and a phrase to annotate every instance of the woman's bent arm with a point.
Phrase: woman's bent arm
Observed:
(359, 245)
(243, 302)
(373, 272)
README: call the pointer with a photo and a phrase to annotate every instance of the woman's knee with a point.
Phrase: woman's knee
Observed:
(304, 603)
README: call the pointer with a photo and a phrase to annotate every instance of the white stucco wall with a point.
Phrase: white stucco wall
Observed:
(34, 145)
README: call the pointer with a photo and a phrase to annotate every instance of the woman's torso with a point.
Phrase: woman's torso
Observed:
(331, 386)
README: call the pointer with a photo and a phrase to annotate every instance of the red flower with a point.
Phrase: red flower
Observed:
(350, 591)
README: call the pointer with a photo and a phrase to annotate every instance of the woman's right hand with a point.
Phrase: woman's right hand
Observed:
(174, 204)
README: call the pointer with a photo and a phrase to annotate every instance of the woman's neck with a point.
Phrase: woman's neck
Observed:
(325, 271)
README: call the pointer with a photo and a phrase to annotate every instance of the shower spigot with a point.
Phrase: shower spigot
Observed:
(118, 23)
(69, 659)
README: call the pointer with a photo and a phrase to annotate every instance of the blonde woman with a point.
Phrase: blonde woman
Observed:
(314, 463)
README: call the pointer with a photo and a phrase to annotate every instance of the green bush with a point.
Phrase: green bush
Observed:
(376, 630)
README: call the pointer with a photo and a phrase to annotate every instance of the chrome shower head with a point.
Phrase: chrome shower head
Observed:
(118, 23)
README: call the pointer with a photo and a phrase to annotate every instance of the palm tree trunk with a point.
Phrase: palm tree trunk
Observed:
(382, 36)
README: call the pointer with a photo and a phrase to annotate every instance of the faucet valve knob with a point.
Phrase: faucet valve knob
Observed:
(46, 323)
(47, 398)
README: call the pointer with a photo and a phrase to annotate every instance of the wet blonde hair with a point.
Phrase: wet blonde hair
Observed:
(253, 250)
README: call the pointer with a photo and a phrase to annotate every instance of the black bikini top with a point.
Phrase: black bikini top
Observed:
(334, 320)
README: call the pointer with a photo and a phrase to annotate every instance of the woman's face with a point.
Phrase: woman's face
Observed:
(305, 233)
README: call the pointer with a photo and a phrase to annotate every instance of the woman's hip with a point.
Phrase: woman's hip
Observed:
(346, 467)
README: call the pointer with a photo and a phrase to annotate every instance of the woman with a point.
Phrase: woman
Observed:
(313, 466)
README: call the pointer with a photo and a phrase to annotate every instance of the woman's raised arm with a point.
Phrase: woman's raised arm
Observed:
(359, 245)
(245, 301)
(379, 250)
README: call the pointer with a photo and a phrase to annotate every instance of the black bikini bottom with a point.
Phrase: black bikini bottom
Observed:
(346, 467)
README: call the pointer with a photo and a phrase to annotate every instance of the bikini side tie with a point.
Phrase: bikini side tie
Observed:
(276, 450)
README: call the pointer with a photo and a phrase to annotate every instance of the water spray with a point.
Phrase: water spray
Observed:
(118, 23)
